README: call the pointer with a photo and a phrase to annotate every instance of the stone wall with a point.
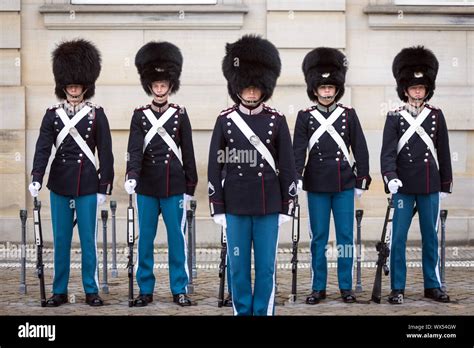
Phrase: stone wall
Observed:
(369, 32)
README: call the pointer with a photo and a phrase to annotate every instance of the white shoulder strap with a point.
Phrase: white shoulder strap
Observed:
(253, 139)
(326, 126)
(416, 127)
(157, 127)
(69, 128)
(69, 123)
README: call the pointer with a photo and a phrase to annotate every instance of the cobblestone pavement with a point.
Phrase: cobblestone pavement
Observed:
(459, 282)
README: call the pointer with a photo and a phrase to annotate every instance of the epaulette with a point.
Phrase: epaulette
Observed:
(181, 109)
(228, 110)
(272, 110)
(93, 105)
(432, 107)
(311, 108)
(143, 107)
(396, 111)
(344, 106)
(55, 106)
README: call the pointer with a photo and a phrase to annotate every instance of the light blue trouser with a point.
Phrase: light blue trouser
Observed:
(62, 215)
(174, 216)
(262, 232)
(428, 211)
(342, 206)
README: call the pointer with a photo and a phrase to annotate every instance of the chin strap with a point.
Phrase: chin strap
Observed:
(250, 103)
(73, 98)
(160, 95)
(329, 98)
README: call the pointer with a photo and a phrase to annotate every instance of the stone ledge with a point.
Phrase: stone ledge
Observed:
(420, 17)
(306, 5)
(143, 16)
(10, 5)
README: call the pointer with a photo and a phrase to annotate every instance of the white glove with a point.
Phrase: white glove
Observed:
(358, 193)
(34, 188)
(393, 185)
(299, 187)
(282, 218)
(220, 220)
(101, 198)
(443, 195)
(130, 186)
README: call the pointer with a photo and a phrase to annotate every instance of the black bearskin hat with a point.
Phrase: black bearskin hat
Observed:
(159, 61)
(76, 62)
(324, 66)
(415, 66)
(251, 61)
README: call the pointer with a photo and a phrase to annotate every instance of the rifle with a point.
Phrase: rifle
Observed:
(358, 214)
(113, 207)
(23, 217)
(39, 249)
(383, 253)
(295, 232)
(193, 206)
(189, 219)
(104, 285)
(130, 242)
(443, 216)
(222, 268)
(383, 250)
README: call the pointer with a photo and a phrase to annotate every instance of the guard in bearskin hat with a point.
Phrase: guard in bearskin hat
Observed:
(252, 142)
(332, 135)
(77, 128)
(416, 167)
(161, 168)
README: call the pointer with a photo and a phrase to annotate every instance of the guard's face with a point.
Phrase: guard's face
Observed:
(160, 90)
(416, 92)
(251, 93)
(326, 91)
(74, 90)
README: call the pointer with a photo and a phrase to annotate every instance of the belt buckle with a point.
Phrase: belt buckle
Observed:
(330, 129)
(420, 130)
(73, 131)
(254, 140)
(161, 131)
